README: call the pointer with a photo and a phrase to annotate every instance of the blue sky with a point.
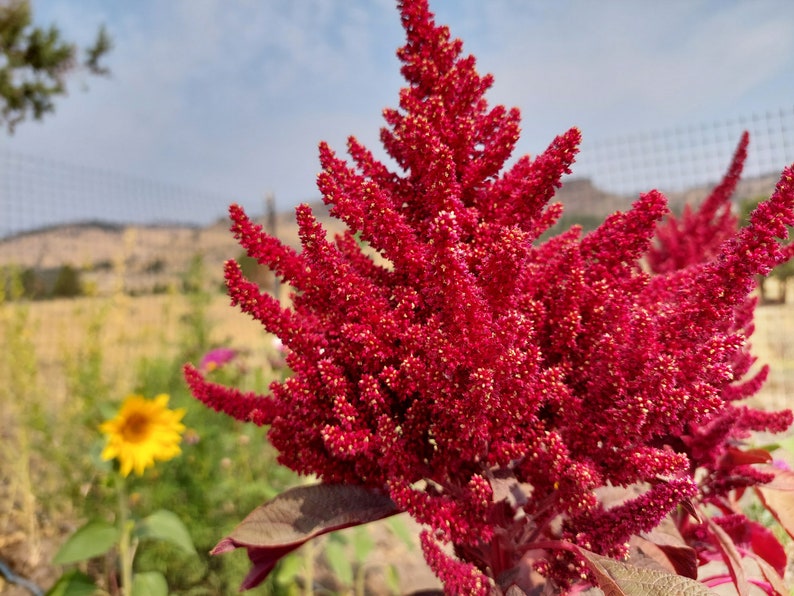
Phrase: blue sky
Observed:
(232, 96)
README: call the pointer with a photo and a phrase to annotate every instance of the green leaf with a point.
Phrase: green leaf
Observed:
(73, 583)
(392, 577)
(397, 527)
(616, 578)
(93, 539)
(149, 583)
(338, 537)
(288, 569)
(338, 559)
(165, 525)
(787, 444)
(363, 544)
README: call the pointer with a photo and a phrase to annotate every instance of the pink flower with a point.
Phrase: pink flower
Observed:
(217, 358)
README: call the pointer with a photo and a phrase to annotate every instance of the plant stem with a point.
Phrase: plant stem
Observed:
(308, 553)
(361, 576)
(125, 527)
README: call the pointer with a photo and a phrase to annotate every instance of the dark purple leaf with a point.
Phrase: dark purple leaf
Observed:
(617, 578)
(283, 524)
(739, 457)
(670, 559)
(780, 503)
(680, 557)
(647, 555)
(730, 555)
(771, 575)
(783, 480)
(765, 544)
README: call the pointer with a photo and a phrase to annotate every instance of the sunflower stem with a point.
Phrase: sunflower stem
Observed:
(125, 527)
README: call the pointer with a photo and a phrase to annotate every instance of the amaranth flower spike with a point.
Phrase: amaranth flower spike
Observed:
(497, 388)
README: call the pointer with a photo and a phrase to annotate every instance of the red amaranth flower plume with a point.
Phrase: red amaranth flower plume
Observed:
(493, 386)
(697, 236)
(716, 447)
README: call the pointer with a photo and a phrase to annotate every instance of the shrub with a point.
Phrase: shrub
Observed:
(68, 283)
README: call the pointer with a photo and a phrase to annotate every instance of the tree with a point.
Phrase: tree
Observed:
(35, 63)
(68, 283)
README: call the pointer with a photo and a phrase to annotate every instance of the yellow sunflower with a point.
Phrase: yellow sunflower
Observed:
(145, 430)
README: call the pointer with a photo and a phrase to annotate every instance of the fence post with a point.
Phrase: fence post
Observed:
(272, 229)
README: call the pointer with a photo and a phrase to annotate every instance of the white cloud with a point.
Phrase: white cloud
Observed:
(619, 63)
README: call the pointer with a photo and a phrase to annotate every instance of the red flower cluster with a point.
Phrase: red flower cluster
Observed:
(496, 387)
(713, 446)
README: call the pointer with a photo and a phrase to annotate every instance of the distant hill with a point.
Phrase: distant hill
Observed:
(145, 256)
(150, 257)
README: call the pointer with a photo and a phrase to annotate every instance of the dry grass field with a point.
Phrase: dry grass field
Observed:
(123, 331)
(60, 359)
(138, 258)
(773, 344)
(133, 327)
(130, 329)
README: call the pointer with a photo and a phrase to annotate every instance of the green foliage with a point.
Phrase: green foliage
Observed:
(93, 539)
(150, 583)
(336, 553)
(40, 283)
(21, 396)
(103, 265)
(349, 556)
(254, 271)
(33, 284)
(226, 468)
(35, 63)
(195, 324)
(165, 525)
(73, 583)
(97, 537)
(155, 266)
(68, 284)
(85, 366)
(18, 356)
(19, 284)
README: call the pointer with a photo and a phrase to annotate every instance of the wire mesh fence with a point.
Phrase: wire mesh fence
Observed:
(683, 162)
(37, 192)
(681, 158)
(142, 235)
